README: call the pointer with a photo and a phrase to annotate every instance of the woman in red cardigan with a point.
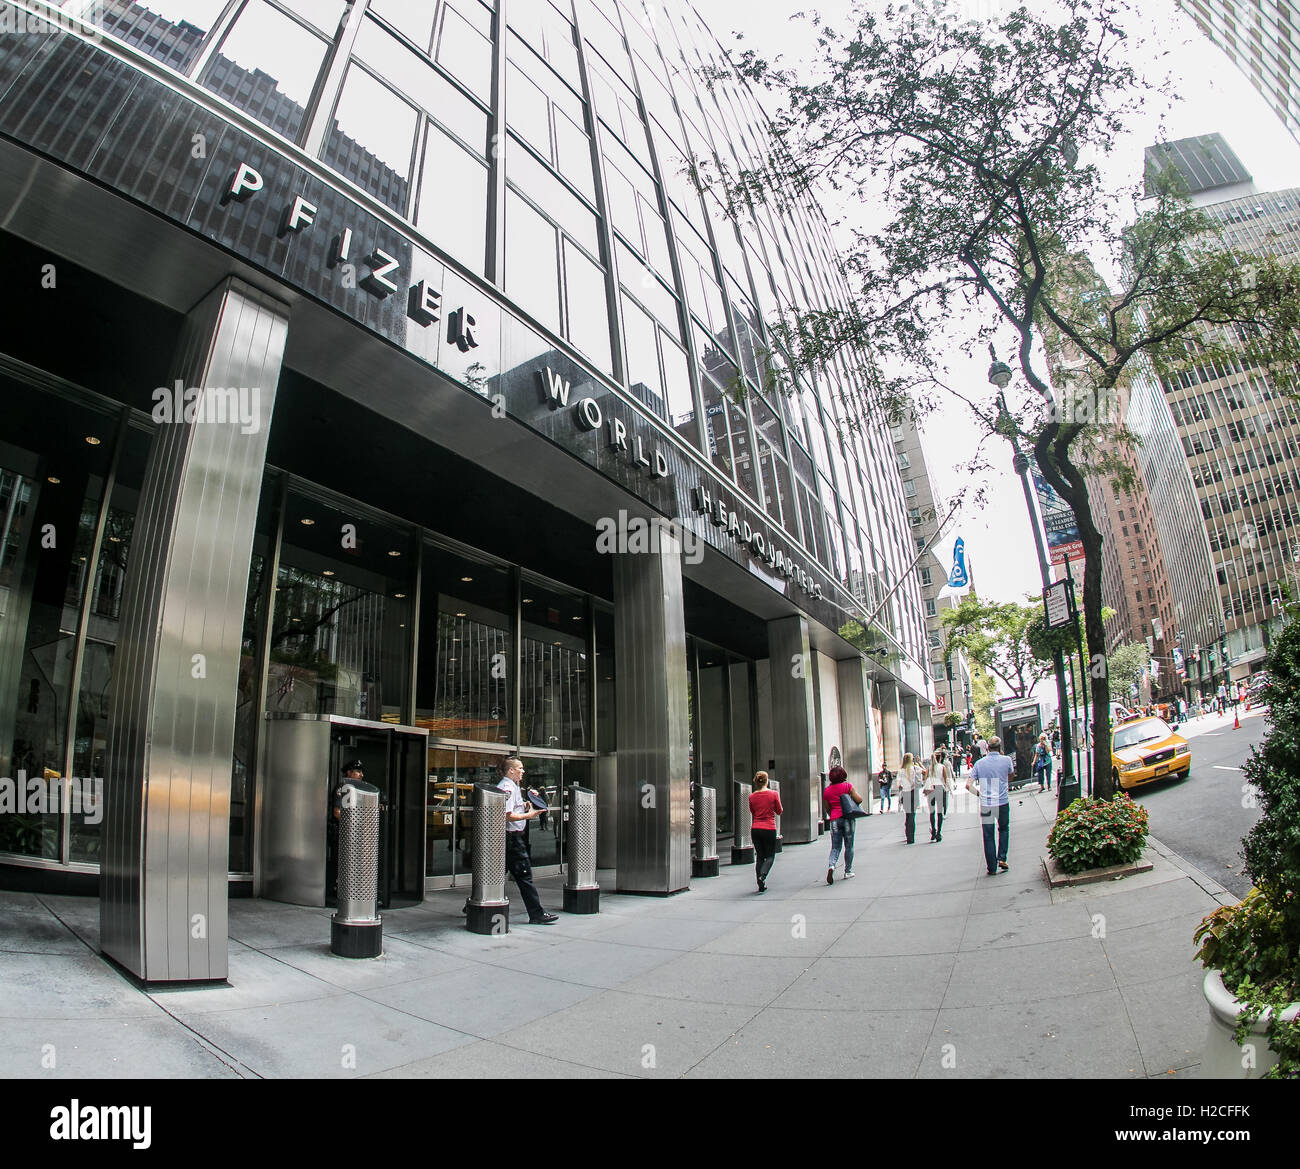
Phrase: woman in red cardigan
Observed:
(764, 807)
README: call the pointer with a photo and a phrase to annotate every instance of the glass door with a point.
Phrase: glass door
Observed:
(545, 776)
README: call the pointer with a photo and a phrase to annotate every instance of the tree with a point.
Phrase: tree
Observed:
(994, 637)
(1125, 666)
(983, 698)
(973, 136)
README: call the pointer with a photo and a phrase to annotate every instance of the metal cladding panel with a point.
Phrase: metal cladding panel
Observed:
(654, 834)
(851, 674)
(294, 778)
(794, 727)
(910, 712)
(891, 726)
(829, 731)
(163, 903)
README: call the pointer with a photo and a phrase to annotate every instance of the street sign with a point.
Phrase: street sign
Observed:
(1056, 600)
(940, 703)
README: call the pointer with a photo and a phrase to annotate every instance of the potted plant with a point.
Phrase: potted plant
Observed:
(1252, 949)
(1095, 834)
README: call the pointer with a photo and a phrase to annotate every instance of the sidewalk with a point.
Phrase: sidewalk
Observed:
(923, 966)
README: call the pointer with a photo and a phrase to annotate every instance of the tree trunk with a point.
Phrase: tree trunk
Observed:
(1052, 454)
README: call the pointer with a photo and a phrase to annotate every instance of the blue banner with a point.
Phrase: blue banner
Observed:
(958, 578)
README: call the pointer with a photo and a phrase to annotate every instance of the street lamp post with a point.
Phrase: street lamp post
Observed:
(1068, 787)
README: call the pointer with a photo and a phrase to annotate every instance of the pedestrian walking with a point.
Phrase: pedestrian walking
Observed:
(991, 781)
(1043, 764)
(1056, 742)
(939, 785)
(909, 784)
(956, 762)
(519, 811)
(841, 825)
(886, 798)
(764, 808)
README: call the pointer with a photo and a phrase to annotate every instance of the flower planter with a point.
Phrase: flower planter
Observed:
(1224, 1059)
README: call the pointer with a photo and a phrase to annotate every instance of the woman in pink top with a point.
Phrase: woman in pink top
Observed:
(764, 807)
(841, 825)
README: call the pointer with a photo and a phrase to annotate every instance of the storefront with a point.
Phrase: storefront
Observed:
(279, 451)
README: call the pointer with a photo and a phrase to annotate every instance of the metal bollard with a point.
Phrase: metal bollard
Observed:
(742, 846)
(581, 893)
(705, 861)
(356, 929)
(488, 909)
(775, 785)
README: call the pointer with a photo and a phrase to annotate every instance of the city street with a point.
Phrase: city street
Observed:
(1204, 817)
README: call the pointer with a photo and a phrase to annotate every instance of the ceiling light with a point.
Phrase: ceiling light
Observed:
(328, 572)
(467, 579)
(307, 522)
(394, 553)
(53, 479)
(400, 596)
(90, 438)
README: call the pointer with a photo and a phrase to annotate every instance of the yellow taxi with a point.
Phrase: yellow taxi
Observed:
(1147, 749)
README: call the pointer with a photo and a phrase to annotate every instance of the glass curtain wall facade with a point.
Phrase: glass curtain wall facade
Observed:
(549, 147)
(539, 154)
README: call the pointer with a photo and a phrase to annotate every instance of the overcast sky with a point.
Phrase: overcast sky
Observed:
(1214, 96)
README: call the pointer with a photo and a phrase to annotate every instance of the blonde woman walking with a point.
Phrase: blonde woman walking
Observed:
(939, 784)
(907, 786)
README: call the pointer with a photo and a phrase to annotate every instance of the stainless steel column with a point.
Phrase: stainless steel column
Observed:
(854, 688)
(172, 723)
(742, 844)
(794, 728)
(653, 817)
(891, 725)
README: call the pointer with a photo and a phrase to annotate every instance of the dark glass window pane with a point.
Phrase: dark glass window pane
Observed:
(554, 679)
(453, 200)
(677, 384)
(545, 777)
(50, 479)
(531, 263)
(372, 138)
(465, 652)
(339, 625)
(267, 65)
(587, 306)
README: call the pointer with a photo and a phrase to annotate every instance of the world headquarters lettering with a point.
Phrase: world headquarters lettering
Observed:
(721, 516)
(589, 416)
(424, 304)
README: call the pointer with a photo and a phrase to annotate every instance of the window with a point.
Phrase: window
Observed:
(372, 138)
(925, 577)
(909, 488)
(930, 609)
(453, 199)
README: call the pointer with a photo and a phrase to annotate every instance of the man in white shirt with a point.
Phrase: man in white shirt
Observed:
(990, 779)
(520, 866)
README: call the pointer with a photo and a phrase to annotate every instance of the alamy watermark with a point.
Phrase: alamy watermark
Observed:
(220, 404)
(633, 534)
(82, 17)
(36, 796)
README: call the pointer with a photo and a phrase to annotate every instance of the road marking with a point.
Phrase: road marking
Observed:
(1220, 767)
(1211, 734)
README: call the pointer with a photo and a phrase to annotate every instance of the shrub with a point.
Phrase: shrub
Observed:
(1255, 944)
(1091, 833)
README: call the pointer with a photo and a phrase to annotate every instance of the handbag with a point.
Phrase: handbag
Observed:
(849, 807)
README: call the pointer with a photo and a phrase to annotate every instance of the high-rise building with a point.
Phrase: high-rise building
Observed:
(1257, 36)
(926, 513)
(379, 383)
(1237, 433)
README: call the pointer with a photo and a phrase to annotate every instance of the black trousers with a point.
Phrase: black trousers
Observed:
(520, 866)
(908, 800)
(938, 806)
(764, 851)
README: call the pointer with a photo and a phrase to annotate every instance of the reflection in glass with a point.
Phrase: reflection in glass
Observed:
(371, 138)
(170, 31)
(553, 686)
(466, 54)
(453, 200)
(50, 480)
(267, 65)
(531, 262)
(544, 776)
(414, 21)
(465, 652)
(339, 625)
(587, 306)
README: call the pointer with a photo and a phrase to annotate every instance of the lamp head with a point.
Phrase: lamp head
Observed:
(1000, 374)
